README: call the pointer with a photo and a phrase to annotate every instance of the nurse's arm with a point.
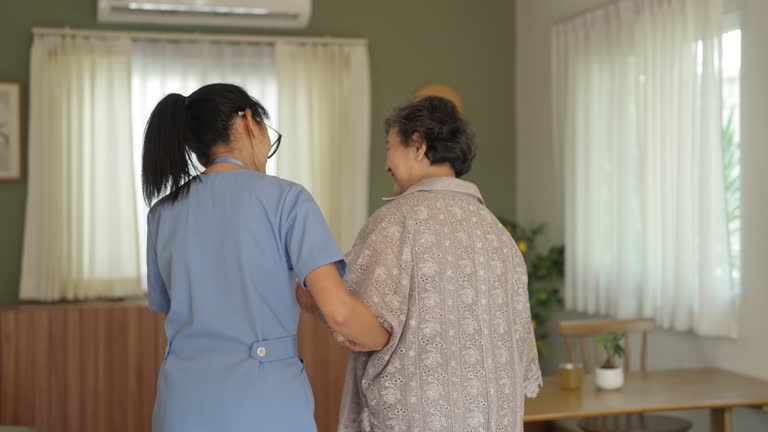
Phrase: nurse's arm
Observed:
(345, 314)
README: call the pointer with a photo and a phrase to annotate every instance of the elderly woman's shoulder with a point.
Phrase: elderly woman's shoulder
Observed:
(409, 208)
(390, 212)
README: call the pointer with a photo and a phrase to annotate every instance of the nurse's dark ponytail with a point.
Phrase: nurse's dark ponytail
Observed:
(166, 162)
(182, 126)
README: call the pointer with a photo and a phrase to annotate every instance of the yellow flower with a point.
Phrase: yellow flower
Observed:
(533, 322)
(523, 246)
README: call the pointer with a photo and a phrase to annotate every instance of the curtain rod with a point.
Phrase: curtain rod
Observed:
(178, 36)
(729, 8)
(583, 12)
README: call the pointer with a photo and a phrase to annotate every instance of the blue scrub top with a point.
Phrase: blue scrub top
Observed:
(222, 263)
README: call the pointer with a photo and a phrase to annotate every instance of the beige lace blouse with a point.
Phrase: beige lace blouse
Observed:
(448, 281)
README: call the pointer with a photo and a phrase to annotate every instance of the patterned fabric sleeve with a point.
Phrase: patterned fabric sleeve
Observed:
(525, 338)
(380, 268)
(379, 274)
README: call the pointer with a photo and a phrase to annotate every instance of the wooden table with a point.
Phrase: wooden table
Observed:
(673, 390)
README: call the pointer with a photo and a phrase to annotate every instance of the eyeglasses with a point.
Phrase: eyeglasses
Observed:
(272, 132)
(275, 142)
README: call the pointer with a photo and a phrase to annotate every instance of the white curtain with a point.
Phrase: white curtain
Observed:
(637, 118)
(79, 234)
(325, 116)
(90, 100)
(163, 67)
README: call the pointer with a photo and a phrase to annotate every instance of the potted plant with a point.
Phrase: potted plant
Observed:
(610, 376)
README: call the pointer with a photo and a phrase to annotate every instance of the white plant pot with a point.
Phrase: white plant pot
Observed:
(609, 379)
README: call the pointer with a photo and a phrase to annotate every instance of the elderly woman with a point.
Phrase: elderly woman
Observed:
(447, 280)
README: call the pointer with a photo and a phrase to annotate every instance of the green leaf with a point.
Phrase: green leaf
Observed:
(611, 343)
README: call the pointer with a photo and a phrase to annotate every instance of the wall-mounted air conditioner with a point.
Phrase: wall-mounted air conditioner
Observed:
(221, 13)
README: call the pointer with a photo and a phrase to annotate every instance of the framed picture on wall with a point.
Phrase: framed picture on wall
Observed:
(10, 131)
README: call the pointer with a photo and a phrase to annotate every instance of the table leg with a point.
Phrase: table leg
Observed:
(721, 419)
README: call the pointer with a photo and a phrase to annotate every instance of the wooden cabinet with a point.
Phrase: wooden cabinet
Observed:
(79, 367)
(326, 365)
(93, 367)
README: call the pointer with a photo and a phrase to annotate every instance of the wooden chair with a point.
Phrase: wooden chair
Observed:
(578, 336)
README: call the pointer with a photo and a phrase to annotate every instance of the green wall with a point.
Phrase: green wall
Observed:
(467, 45)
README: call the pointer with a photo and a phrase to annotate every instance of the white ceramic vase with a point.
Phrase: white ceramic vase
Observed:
(609, 379)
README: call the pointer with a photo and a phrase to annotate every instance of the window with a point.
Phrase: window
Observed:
(99, 89)
(646, 114)
(160, 68)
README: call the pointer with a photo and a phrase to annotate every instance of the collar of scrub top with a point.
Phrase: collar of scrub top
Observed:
(226, 159)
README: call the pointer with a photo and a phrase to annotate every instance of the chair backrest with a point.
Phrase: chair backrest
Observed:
(583, 331)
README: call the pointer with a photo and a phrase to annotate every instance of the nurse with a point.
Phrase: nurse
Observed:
(223, 251)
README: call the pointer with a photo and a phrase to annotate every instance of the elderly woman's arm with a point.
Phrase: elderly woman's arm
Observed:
(345, 314)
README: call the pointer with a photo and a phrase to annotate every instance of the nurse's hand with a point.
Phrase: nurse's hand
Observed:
(305, 299)
(356, 347)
